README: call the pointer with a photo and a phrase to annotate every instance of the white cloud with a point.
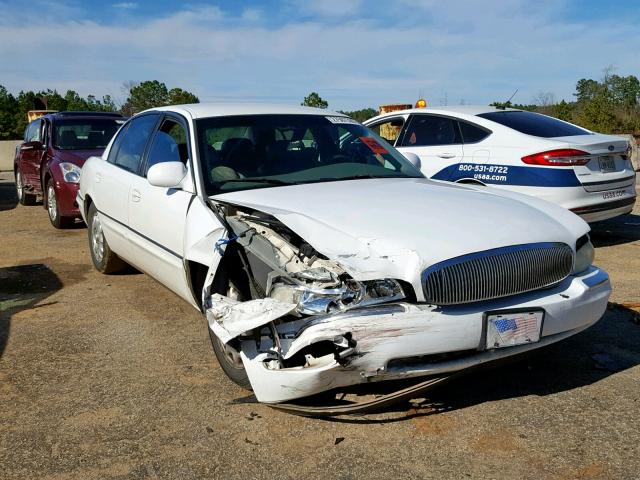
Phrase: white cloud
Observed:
(467, 51)
(125, 5)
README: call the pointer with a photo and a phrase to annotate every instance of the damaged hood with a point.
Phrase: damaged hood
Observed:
(395, 228)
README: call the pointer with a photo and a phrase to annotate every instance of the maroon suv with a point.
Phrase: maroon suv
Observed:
(49, 160)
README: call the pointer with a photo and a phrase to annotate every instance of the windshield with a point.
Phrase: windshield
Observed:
(84, 134)
(534, 124)
(259, 151)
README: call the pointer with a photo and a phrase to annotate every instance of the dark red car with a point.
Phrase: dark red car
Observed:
(49, 160)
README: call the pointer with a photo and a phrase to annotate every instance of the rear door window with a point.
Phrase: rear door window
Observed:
(534, 124)
(472, 133)
(134, 141)
(429, 130)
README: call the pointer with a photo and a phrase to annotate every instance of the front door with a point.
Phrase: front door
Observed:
(436, 140)
(157, 215)
(31, 153)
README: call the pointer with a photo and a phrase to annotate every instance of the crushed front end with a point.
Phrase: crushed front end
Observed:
(303, 323)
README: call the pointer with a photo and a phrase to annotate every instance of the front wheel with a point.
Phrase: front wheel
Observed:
(103, 258)
(229, 357)
(51, 201)
(230, 361)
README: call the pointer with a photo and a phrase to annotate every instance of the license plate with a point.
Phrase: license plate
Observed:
(506, 329)
(607, 164)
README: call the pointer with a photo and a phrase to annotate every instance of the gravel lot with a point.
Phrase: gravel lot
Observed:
(113, 377)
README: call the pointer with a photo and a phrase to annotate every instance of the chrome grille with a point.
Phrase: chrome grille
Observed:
(497, 273)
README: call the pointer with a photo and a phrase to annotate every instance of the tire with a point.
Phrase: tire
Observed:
(103, 258)
(24, 198)
(230, 362)
(228, 357)
(51, 203)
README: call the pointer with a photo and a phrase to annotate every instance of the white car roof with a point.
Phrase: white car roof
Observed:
(449, 110)
(205, 110)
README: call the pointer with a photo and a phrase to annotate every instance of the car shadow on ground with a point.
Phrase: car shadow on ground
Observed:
(616, 231)
(8, 197)
(610, 346)
(21, 288)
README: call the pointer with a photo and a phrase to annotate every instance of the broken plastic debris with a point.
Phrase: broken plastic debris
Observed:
(230, 318)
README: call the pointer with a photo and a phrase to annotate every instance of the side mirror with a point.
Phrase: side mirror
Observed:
(167, 174)
(413, 159)
(33, 145)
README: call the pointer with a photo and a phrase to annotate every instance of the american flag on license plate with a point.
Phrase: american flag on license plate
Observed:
(517, 327)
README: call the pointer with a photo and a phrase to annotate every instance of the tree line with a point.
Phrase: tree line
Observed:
(139, 97)
(608, 105)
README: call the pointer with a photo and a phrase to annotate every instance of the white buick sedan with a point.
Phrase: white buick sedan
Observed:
(589, 173)
(323, 258)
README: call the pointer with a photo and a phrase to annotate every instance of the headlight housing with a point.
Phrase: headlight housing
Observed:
(318, 301)
(70, 172)
(585, 253)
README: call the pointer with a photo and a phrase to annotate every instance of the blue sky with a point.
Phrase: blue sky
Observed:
(355, 53)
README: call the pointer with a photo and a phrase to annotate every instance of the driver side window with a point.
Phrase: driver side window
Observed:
(389, 130)
(32, 133)
(168, 145)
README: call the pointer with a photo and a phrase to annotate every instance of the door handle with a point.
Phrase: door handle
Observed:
(26, 147)
(98, 177)
(446, 155)
(135, 195)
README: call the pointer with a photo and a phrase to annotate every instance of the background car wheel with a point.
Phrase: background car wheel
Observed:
(228, 357)
(103, 258)
(51, 202)
(23, 197)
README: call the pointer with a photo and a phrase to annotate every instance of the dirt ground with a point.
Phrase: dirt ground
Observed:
(113, 377)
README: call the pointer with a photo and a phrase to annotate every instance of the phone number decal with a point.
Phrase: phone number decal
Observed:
(467, 167)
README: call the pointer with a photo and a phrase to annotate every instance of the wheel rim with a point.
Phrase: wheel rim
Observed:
(231, 355)
(97, 239)
(19, 185)
(52, 204)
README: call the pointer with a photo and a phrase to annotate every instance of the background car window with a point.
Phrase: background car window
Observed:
(84, 134)
(534, 124)
(134, 140)
(169, 145)
(426, 130)
(389, 130)
(472, 133)
(32, 133)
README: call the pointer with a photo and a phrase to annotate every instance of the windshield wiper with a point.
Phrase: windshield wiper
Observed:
(270, 181)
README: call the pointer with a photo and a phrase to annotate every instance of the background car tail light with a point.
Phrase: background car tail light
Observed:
(558, 158)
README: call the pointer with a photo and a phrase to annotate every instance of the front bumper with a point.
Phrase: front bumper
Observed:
(403, 340)
(66, 196)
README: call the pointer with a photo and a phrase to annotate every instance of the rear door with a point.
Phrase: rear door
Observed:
(157, 215)
(437, 140)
